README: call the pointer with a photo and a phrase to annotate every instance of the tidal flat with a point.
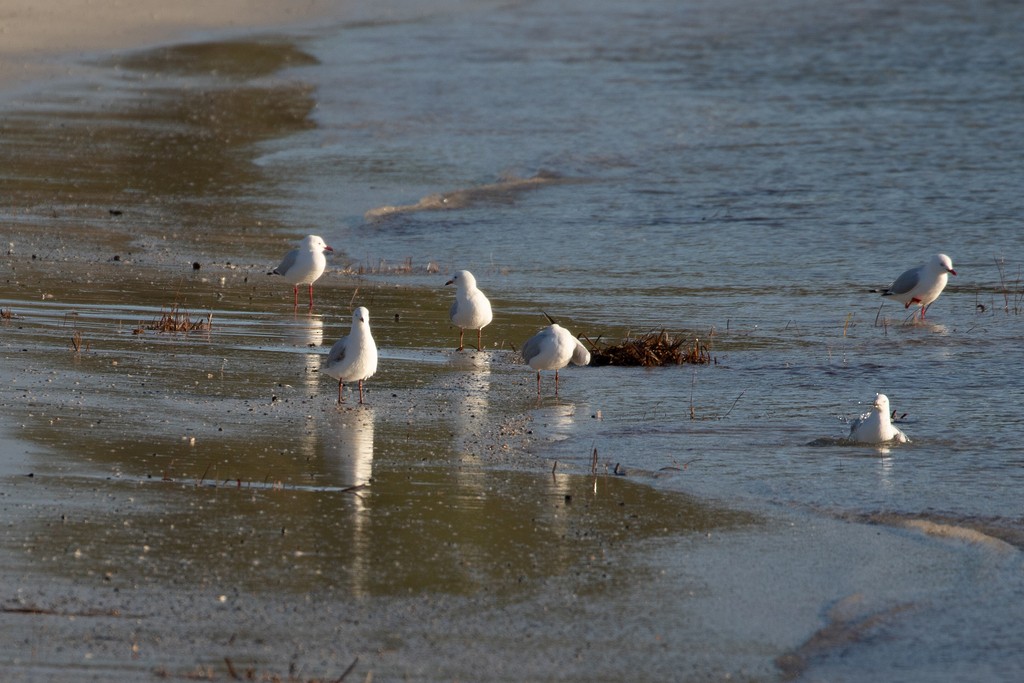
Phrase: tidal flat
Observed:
(195, 505)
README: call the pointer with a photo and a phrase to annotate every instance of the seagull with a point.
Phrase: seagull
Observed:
(553, 348)
(354, 356)
(876, 426)
(303, 266)
(471, 309)
(922, 285)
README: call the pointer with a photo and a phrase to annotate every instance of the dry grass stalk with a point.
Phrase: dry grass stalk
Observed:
(382, 268)
(253, 674)
(652, 349)
(76, 342)
(178, 320)
(1012, 299)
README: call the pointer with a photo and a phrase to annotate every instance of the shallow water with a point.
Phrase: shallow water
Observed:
(741, 172)
(744, 172)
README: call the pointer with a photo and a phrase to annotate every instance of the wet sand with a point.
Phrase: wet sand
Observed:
(195, 505)
(37, 37)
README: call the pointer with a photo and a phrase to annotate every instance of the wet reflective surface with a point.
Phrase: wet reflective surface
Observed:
(172, 499)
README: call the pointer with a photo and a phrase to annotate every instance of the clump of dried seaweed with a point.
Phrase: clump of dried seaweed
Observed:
(652, 349)
(178, 320)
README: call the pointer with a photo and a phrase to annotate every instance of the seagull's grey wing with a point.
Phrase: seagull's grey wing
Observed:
(531, 349)
(580, 355)
(337, 353)
(857, 422)
(904, 283)
(453, 309)
(287, 263)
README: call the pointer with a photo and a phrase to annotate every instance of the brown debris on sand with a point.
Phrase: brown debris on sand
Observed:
(178, 320)
(652, 349)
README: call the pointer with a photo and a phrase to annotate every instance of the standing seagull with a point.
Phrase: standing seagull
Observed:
(471, 309)
(303, 266)
(876, 426)
(553, 348)
(922, 285)
(354, 356)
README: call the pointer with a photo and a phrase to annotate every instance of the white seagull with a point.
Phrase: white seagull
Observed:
(304, 265)
(354, 356)
(922, 285)
(553, 348)
(471, 309)
(876, 426)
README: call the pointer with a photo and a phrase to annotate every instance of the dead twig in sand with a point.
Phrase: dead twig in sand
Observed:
(45, 611)
(885, 321)
(734, 404)
(252, 674)
(693, 383)
(199, 482)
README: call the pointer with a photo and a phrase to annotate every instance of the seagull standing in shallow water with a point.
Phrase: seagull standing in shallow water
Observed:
(922, 285)
(876, 426)
(304, 265)
(354, 356)
(471, 309)
(553, 348)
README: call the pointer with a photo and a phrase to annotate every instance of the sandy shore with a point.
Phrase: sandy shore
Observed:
(33, 32)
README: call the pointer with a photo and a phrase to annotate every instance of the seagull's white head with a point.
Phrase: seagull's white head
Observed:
(942, 262)
(463, 279)
(315, 243)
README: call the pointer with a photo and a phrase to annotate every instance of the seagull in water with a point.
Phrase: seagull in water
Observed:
(553, 348)
(303, 266)
(354, 356)
(471, 309)
(876, 426)
(922, 285)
